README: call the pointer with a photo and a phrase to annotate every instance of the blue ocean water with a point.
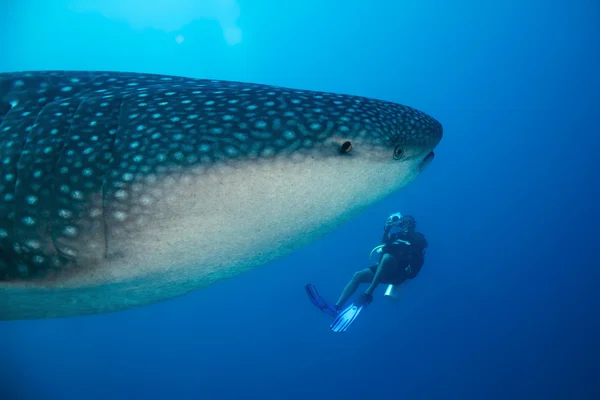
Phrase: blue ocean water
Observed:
(506, 304)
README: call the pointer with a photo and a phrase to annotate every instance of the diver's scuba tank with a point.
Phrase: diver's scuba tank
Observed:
(393, 292)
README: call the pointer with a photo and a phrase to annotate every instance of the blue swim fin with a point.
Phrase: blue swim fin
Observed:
(346, 317)
(319, 301)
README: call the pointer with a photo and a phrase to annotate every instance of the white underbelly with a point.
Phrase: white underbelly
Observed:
(211, 226)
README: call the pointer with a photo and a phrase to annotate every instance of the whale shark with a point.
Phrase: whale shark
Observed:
(119, 189)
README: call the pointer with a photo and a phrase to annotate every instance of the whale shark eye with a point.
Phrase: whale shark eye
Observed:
(398, 152)
(346, 147)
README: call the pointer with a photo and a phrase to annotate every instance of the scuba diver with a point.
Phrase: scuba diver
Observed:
(401, 257)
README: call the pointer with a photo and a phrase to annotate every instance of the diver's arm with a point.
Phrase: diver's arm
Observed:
(386, 234)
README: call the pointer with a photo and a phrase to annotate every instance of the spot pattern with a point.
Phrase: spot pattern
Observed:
(34, 191)
(79, 233)
(80, 151)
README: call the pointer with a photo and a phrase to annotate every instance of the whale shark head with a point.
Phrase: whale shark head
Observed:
(172, 184)
(266, 176)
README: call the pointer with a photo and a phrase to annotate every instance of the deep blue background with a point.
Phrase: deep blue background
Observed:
(507, 303)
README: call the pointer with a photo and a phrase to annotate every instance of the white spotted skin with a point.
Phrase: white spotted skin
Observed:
(152, 193)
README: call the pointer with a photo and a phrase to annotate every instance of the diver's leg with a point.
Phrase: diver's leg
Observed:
(364, 276)
(386, 267)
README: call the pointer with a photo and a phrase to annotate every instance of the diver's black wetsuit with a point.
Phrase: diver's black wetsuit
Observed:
(407, 256)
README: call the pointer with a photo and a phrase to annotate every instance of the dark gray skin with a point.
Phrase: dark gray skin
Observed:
(119, 189)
